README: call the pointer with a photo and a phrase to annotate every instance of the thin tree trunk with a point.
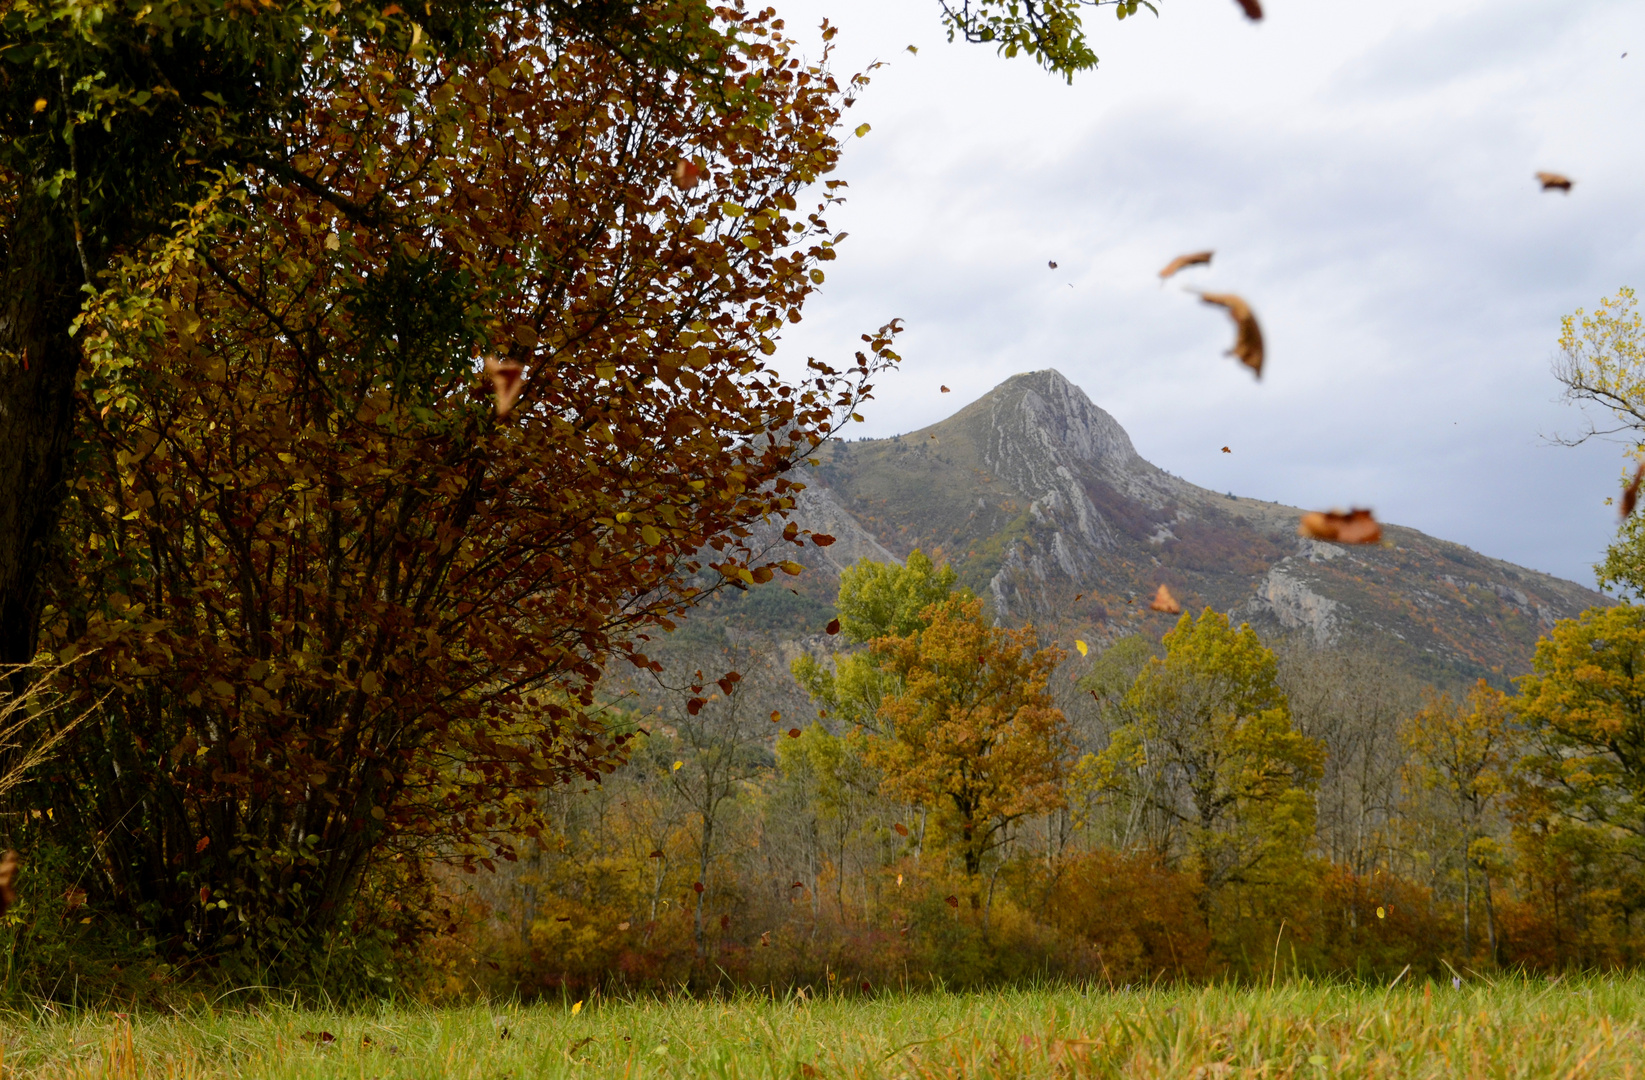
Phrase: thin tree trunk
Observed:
(1490, 915)
(1467, 904)
(39, 297)
(702, 879)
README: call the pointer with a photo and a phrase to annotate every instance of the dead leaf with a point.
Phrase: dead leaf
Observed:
(902, 830)
(1248, 344)
(201, 845)
(1552, 181)
(687, 174)
(8, 878)
(807, 1071)
(833, 626)
(205, 893)
(1630, 494)
(1226, 450)
(1354, 527)
(952, 901)
(622, 926)
(507, 382)
(1164, 601)
(1198, 258)
(765, 938)
(793, 733)
(321, 1037)
(1051, 263)
(656, 855)
(945, 390)
(1252, 9)
(697, 887)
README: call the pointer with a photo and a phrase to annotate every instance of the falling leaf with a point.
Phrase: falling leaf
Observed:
(797, 885)
(833, 626)
(916, 51)
(1077, 597)
(1252, 9)
(1248, 344)
(902, 830)
(687, 174)
(945, 390)
(862, 129)
(1052, 263)
(952, 901)
(1630, 494)
(1381, 914)
(321, 1037)
(506, 382)
(622, 926)
(1354, 527)
(333, 241)
(1552, 181)
(1198, 258)
(655, 855)
(8, 877)
(1164, 601)
(793, 733)
(899, 881)
(205, 893)
(1226, 450)
(201, 844)
(576, 1008)
(1082, 647)
(765, 938)
(40, 103)
(776, 716)
(677, 765)
(697, 887)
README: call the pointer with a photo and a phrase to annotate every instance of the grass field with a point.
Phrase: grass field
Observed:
(1515, 1028)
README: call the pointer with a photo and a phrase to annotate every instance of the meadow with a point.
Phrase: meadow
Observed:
(1512, 1027)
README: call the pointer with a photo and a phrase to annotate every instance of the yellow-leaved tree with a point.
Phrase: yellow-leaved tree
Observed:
(1208, 744)
(1466, 752)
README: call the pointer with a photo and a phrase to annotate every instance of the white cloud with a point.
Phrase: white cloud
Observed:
(1364, 172)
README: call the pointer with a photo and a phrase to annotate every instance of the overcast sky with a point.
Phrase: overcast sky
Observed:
(1364, 173)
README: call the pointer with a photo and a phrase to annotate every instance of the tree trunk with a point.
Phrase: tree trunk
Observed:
(39, 297)
(1467, 904)
(702, 880)
(1490, 915)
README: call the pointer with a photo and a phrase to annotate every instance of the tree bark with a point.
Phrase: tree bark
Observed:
(39, 297)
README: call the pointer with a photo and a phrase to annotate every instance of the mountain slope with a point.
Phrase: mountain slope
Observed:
(1040, 501)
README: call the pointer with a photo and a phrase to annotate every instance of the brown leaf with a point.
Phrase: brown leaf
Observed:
(1354, 527)
(205, 893)
(655, 855)
(952, 901)
(1630, 494)
(1226, 450)
(321, 1037)
(8, 878)
(945, 390)
(833, 626)
(697, 887)
(902, 830)
(201, 845)
(507, 382)
(1164, 601)
(793, 733)
(1552, 181)
(1051, 263)
(622, 926)
(822, 539)
(807, 1071)
(1198, 258)
(1252, 9)
(776, 716)
(1248, 343)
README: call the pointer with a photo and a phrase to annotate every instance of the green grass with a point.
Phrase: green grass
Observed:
(1516, 1028)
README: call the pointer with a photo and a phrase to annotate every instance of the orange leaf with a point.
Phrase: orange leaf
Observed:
(1226, 450)
(1164, 601)
(204, 842)
(1552, 181)
(952, 901)
(1198, 258)
(945, 390)
(793, 733)
(687, 174)
(902, 830)
(1248, 347)
(1354, 527)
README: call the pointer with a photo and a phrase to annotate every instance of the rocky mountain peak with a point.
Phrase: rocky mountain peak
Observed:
(1054, 414)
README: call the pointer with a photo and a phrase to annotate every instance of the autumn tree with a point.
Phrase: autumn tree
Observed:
(352, 614)
(1209, 744)
(1467, 753)
(971, 725)
(1583, 708)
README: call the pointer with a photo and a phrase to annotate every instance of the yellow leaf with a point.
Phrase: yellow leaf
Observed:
(677, 765)
(1081, 646)
(577, 1008)
(39, 104)
(1381, 914)
(862, 129)
(650, 535)
(333, 241)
